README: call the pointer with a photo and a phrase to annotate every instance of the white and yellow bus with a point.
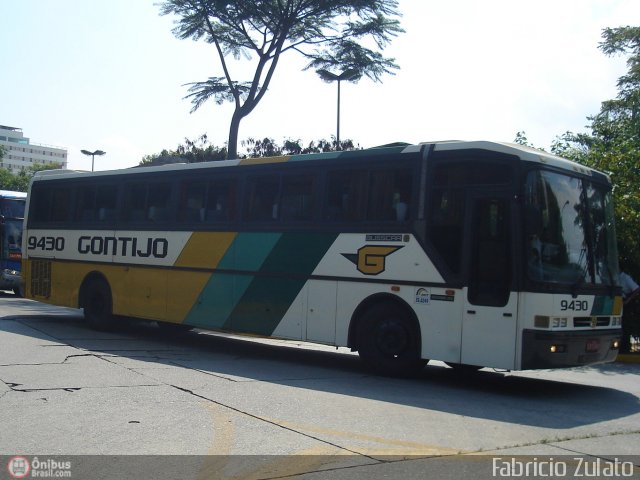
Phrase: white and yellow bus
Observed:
(477, 254)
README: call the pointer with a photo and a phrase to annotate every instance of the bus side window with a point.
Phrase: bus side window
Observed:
(192, 201)
(221, 201)
(297, 198)
(390, 195)
(345, 199)
(135, 201)
(159, 202)
(40, 208)
(262, 200)
(61, 205)
(85, 207)
(53, 205)
(106, 203)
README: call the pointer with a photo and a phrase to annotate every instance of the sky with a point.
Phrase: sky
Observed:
(110, 75)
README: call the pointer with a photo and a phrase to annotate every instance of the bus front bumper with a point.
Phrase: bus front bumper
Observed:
(544, 349)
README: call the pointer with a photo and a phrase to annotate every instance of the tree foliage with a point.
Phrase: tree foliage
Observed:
(192, 151)
(20, 182)
(613, 143)
(330, 34)
(267, 147)
(200, 150)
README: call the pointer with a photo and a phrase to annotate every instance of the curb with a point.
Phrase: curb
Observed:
(628, 358)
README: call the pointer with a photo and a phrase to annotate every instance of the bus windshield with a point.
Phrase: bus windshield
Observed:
(11, 239)
(12, 207)
(569, 230)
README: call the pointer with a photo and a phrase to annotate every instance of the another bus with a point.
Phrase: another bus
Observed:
(477, 254)
(11, 217)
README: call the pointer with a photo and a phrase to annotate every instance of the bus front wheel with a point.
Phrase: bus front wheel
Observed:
(388, 341)
(96, 302)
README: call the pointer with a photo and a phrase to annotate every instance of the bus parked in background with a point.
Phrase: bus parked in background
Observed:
(478, 254)
(12, 205)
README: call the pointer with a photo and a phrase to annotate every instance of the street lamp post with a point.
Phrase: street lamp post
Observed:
(348, 75)
(93, 155)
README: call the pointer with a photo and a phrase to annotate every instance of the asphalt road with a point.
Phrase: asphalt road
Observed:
(255, 408)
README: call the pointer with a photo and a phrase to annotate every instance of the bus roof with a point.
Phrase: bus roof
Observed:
(523, 152)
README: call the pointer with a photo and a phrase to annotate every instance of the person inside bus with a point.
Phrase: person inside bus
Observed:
(630, 291)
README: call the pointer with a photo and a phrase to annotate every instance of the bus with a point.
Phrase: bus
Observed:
(12, 205)
(477, 254)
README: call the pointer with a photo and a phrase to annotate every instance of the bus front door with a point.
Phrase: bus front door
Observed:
(490, 313)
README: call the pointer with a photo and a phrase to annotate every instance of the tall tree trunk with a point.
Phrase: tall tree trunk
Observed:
(234, 128)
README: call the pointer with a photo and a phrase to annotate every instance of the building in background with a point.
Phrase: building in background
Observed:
(20, 153)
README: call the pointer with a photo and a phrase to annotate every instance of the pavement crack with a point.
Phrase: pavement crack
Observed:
(274, 423)
(53, 389)
(556, 441)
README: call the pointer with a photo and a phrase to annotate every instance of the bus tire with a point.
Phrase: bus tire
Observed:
(97, 304)
(389, 341)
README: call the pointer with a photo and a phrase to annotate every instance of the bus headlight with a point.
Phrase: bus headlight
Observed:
(557, 348)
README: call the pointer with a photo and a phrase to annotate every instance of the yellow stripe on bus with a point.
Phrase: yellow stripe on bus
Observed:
(205, 249)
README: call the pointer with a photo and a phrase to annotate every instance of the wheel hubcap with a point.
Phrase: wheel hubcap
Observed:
(392, 338)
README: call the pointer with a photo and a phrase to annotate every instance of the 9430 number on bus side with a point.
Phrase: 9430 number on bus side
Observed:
(46, 244)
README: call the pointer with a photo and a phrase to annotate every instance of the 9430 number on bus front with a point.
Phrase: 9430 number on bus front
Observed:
(574, 305)
(46, 244)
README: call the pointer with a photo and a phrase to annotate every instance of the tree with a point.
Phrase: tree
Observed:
(521, 139)
(267, 147)
(613, 143)
(330, 34)
(20, 182)
(200, 150)
(192, 151)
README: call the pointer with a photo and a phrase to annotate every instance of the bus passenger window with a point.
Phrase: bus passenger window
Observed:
(85, 204)
(106, 203)
(262, 201)
(192, 201)
(158, 203)
(345, 200)
(61, 205)
(136, 198)
(390, 195)
(221, 201)
(297, 198)
(52, 205)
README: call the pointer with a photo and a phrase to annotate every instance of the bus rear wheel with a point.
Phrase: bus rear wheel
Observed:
(388, 341)
(97, 305)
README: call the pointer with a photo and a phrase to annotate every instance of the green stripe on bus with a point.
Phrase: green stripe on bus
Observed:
(222, 292)
(266, 301)
(602, 306)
